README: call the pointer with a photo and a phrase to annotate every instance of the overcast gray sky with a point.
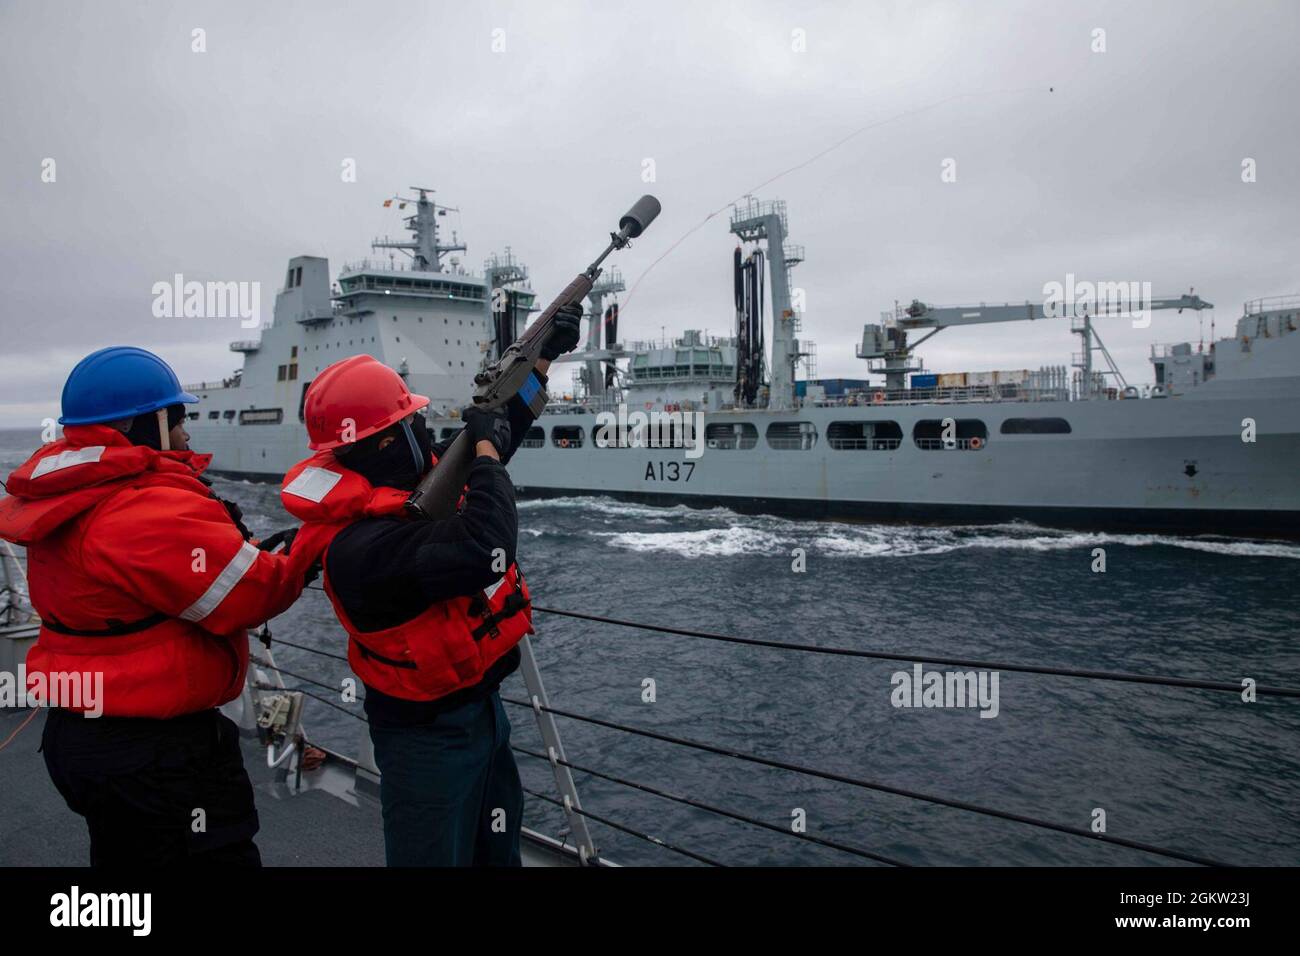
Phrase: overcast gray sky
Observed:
(222, 165)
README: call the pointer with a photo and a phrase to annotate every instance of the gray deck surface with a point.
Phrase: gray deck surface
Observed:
(313, 828)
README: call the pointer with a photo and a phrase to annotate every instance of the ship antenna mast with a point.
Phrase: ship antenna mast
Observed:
(425, 250)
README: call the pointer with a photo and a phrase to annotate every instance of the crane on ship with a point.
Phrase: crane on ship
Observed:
(886, 345)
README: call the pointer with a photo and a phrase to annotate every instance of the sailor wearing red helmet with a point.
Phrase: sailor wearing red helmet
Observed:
(433, 609)
(146, 584)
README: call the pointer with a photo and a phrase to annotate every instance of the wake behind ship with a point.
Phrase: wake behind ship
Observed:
(1210, 448)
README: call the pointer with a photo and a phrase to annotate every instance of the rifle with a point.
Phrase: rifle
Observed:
(438, 492)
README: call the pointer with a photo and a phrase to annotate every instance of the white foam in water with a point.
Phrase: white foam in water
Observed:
(615, 508)
(710, 542)
(735, 534)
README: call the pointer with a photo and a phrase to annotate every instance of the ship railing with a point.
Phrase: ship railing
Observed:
(965, 395)
(942, 444)
(376, 265)
(576, 815)
(1271, 303)
(706, 341)
(865, 444)
(209, 386)
(403, 265)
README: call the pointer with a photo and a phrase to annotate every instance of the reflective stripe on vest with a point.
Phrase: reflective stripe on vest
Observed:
(230, 575)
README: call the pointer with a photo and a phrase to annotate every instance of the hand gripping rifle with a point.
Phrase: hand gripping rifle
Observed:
(439, 491)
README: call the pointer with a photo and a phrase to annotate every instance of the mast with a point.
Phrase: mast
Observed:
(425, 250)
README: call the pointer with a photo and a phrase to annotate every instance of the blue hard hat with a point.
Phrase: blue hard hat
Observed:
(119, 382)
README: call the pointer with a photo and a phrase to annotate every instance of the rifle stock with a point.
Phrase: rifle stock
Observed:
(439, 490)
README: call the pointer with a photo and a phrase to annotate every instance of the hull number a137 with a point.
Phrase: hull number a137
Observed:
(669, 470)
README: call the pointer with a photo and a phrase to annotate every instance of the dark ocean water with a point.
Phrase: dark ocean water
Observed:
(1197, 770)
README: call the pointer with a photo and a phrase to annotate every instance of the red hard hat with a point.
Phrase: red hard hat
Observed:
(354, 399)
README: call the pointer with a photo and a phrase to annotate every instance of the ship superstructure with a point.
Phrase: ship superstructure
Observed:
(1210, 446)
(434, 322)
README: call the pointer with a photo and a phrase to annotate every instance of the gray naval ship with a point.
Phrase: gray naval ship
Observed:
(1210, 446)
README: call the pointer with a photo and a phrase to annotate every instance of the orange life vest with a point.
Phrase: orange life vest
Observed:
(446, 648)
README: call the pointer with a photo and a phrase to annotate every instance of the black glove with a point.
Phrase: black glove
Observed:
(490, 426)
(236, 515)
(565, 332)
(273, 541)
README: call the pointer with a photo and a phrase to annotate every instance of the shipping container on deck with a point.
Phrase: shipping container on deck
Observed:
(834, 387)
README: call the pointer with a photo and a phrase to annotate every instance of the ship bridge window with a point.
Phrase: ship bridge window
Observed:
(966, 434)
(535, 438)
(730, 435)
(1035, 426)
(567, 436)
(792, 435)
(228, 414)
(214, 414)
(261, 416)
(864, 436)
(192, 416)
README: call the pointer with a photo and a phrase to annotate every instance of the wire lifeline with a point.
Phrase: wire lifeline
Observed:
(699, 857)
(1193, 683)
(821, 841)
(310, 650)
(882, 787)
(1045, 824)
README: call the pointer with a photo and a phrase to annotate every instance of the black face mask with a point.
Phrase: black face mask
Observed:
(144, 429)
(402, 464)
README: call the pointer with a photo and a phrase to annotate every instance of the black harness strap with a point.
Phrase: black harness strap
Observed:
(115, 627)
(514, 603)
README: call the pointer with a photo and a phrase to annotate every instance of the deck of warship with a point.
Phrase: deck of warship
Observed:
(314, 827)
